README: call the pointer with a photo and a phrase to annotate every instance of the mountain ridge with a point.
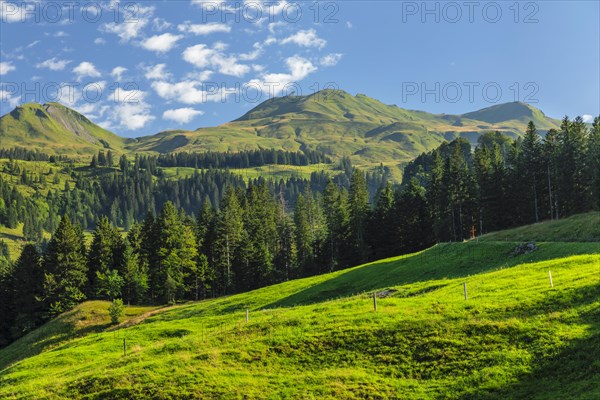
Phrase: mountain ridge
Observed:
(332, 121)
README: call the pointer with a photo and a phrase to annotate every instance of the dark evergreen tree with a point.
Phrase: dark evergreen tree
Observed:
(65, 270)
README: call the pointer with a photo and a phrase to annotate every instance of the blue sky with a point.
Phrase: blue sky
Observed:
(141, 68)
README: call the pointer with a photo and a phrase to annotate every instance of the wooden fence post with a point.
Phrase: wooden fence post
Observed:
(374, 301)
(124, 347)
(550, 276)
(465, 290)
(247, 315)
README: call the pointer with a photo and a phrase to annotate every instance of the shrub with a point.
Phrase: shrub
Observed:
(115, 310)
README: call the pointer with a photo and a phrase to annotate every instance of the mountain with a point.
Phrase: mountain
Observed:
(54, 128)
(331, 121)
(340, 124)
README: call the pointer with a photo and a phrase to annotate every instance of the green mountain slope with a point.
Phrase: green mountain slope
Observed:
(54, 128)
(340, 124)
(515, 336)
(331, 121)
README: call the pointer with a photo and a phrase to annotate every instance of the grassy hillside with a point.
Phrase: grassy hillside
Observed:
(578, 228)
(54, 128)
(515, 336)
(340, 124)
(331, 121)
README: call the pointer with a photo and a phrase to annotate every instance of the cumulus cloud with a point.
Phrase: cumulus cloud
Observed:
(130, 28)
(157, 71)
(131, 111)
(118, 72)
(7, 97)
(181, 115)
(54, 64)
(299, 68)
(191, 91)
(331, 59)
(161, 43)
(13, 11)
(86, 68)
(6, 67)
(252, 55)
(587, 118)
(99, 41)
(307, 38)
(160, 24)
(203, 29)
(203, 56)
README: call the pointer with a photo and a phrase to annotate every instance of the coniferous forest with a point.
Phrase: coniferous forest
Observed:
(158, 241)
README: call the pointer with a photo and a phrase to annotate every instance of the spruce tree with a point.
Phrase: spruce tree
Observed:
(65, 270)
(28, 286)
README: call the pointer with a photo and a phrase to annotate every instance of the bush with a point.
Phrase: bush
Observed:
(115, 310)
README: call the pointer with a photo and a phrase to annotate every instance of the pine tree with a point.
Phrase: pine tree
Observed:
(593, 165)
(529, 172)
(107, 253)
(65, 270)
(382, 226)
(28, 286)
(358, 202)
(229, 234)
(177, 254)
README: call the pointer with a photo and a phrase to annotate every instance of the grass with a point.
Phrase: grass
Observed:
(319, 338)
(578, 228)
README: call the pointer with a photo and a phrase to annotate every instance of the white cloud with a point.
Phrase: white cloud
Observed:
(13, 11)
(132, 25)
(252, 55)
(331, 60)
(30, 45)
(307, 38)
(299, 68)
(118, 72)
(86, 68)
(349, 25)
(54, 64)
(204, 57)
(132, 111)
(161, 43)
(99, 41)
(61, 34)
(274, 25)
(160, 24)
(203, 29)
(182, 115)
(587, 118)
(157, 71)
(7, 97)
(188, 92)
(6, 67)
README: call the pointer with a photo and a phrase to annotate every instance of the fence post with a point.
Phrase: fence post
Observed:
(374, 301)
(247, 315)
(465, 290)
(550, 276)
(124, 347)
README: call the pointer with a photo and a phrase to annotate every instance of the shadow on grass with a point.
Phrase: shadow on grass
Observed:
(571, 373)
(48, 336)
(447, 260)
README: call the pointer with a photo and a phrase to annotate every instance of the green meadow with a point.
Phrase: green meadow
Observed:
(515, 336)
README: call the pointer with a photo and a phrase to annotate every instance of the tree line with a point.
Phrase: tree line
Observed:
(254, 237)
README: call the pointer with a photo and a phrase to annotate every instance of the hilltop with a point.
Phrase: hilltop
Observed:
(56, 129)
(332, 121)
(319, 337)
